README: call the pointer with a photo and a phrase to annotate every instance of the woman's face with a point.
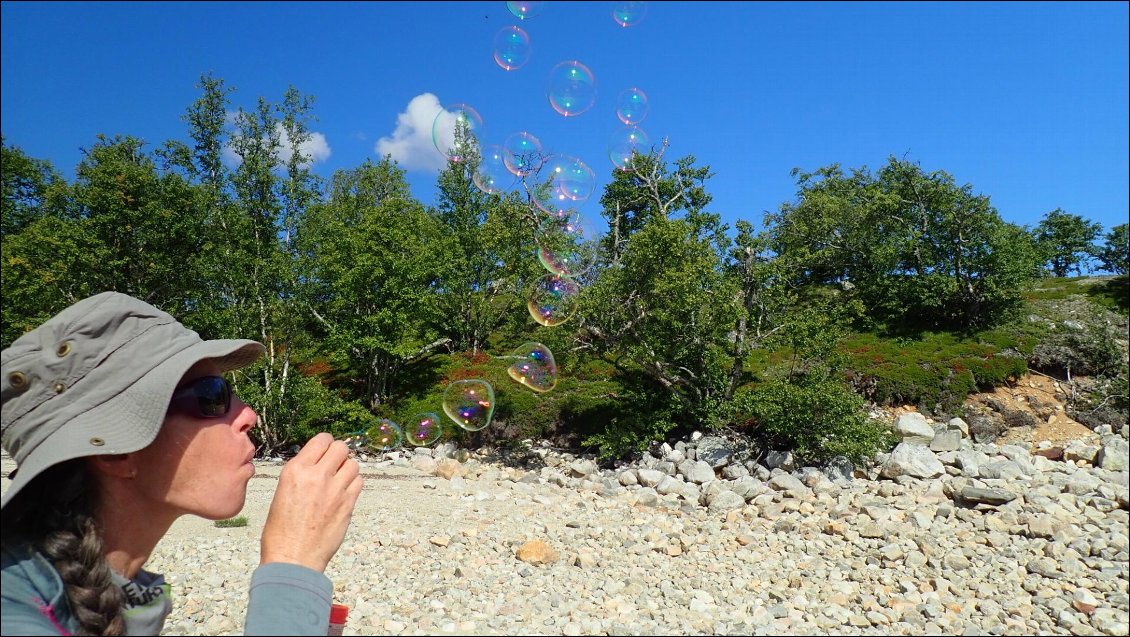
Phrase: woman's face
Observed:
(199, 465)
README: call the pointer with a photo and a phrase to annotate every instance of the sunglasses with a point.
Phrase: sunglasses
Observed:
(205, 397)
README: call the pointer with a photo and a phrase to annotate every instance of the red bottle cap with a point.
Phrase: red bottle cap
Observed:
(338, 613)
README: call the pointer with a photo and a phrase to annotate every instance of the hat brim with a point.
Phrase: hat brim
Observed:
(131, 420)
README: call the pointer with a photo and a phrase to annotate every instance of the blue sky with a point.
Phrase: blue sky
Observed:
(1025, 101)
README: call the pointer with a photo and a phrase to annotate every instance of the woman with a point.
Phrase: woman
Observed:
(120, 421)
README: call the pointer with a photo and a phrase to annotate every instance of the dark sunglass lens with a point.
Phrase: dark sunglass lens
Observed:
(213, 395)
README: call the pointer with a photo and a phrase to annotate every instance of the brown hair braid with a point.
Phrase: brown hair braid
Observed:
(55, 512)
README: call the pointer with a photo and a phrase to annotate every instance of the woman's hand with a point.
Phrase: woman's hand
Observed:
(312, 506)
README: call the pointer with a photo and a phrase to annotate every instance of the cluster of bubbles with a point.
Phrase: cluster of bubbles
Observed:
(567, 244)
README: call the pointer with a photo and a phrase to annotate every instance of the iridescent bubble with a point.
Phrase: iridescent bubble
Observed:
(574, 178)
(385, 435)
(356, 441)
(470, 403)
(631, 106)
(444, 127)
(553, 299)
(521, 152)
(525, 10)
(511, 48)
(628, 14)
(535, 367)
(567, 246)
(424, 429)
(572, 88)
(491, 175)
(624, 142)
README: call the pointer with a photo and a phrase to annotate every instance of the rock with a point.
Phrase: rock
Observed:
(425, 464)
(1114, 455)
(1078, 450)
(946, 441)
(1084, 601)
(1111, 621)
(1051, 453)
(537, 552)
(581, 468)
(647, 497)
(913, 428)
(970, 461)
(449, 468)
(978, 495)
(957, 424)
(786, 482)
(783, 460)
(1001, 469)
(714, 451)
(734, 471)
(839, 469)
(696, 471)
(628, 478)
(725, 501)
(650, 477)
(1044, 566)
(910, 459)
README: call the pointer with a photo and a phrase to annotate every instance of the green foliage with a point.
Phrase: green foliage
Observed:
(935, 372)
(817, 418)
(1065, 241)
(918, 248)
(1115, 254)
(28, 185)
(231, 523)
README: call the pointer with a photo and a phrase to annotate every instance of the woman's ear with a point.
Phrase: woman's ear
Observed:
(118, 465)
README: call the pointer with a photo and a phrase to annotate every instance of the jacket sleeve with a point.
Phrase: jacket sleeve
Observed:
(286, 599)
(24, 612)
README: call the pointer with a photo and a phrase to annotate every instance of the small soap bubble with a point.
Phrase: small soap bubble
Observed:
(443, 131)
(385, 435)
(624, 142)
(491, 175)
(424, 429)
(629, 14)
(553, 299)
(525, 10)
(470, 403)
(535, 367)
(521, 153)
(572, 88)
(567, 246)
(631, 106)
(356, 441)
(512, 48)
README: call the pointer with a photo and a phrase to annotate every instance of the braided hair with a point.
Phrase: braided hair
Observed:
(55, 511)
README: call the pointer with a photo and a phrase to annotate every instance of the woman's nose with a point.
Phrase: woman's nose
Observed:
(245, 416)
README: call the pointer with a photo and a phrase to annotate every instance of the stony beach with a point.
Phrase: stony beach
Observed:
(942, 536)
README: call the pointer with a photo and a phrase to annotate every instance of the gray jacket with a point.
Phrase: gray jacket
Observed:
(285, 599)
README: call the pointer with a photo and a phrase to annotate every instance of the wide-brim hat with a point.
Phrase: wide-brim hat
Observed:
(96, 379)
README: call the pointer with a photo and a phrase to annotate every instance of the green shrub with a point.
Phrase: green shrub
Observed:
(231, 523)
(815, 418)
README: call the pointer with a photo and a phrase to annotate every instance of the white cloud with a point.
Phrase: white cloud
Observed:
(411, 143)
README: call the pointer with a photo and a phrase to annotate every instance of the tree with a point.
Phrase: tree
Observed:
(1066, 241)
(27, 185)
(918, 248)
(1115, 255)
(370, 263)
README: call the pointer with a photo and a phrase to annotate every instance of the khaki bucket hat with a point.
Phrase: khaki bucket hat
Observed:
(97, 379)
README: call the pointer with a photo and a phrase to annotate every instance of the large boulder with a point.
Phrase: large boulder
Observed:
(714, 451)
(914, 429)
(914, 460)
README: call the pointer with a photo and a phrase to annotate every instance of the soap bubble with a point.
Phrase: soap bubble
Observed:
(567, 246)
(553, 299)
(628, 14)
(525, 10)
(443, 131)
(491, 175)
(470, 403)
(624, 142)
(631, 106)
(511, 48)
(572, 88)
(535, 367)
(424, 429)
(385, 435)
(521, 152)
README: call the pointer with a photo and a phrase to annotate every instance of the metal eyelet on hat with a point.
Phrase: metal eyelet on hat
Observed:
(97, 442)
(59, 387)
(18, 380)
(64, 349)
